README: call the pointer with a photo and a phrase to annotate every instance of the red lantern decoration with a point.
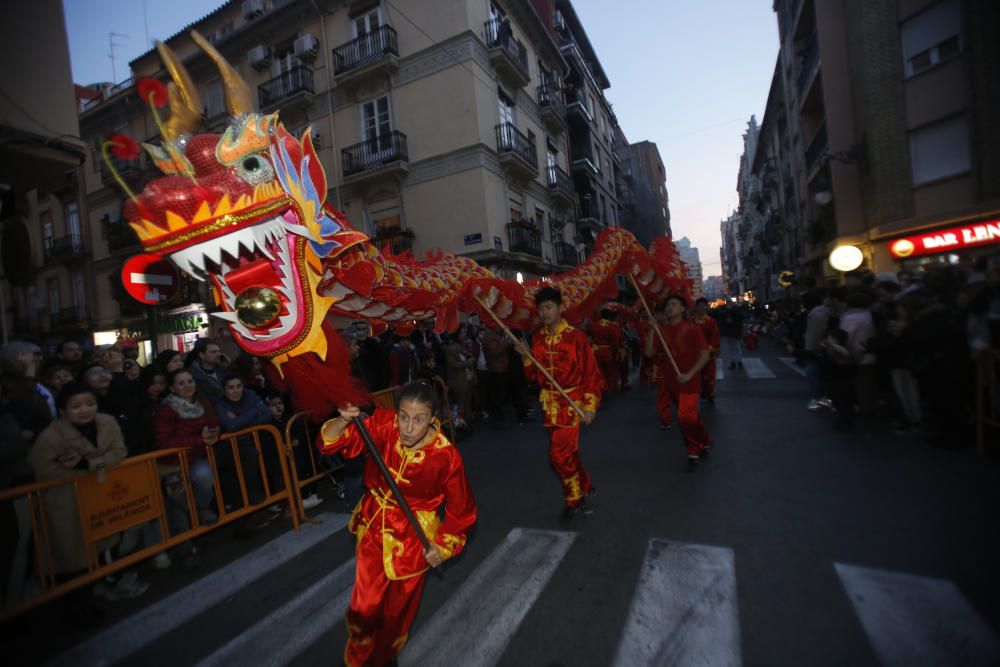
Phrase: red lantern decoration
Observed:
(153, 91)
(123, 146)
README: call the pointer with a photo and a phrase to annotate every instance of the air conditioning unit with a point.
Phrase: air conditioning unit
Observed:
(306, 46)
(253, 9)
(259, 57)
(558, 22)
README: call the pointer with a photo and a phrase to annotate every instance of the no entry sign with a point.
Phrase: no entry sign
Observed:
(150, 279)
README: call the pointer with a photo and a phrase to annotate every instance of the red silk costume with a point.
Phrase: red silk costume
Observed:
(567, 356)
(391, 566)
(606, 339)
(686, 343)
(710, 330)
(649, 369)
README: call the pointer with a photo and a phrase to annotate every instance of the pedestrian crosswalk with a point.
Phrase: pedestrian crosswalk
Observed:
(683, 610)
(757, 368)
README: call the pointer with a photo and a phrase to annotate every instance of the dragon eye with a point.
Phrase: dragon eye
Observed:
(255, 170)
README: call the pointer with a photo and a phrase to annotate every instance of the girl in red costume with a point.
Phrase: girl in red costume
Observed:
(391, 562)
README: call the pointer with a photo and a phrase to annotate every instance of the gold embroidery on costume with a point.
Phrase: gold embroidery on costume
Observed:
(573, 490)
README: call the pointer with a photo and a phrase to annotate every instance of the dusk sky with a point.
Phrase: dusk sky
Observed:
(686, 75)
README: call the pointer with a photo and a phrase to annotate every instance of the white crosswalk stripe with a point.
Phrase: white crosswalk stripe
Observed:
(914, 620)
(719, 373)
(684, 610)
(302, 620)
(756, 369)
(127, 636)
(490, 605)
(790, 362)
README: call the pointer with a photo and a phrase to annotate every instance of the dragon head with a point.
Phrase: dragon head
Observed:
(247, 211)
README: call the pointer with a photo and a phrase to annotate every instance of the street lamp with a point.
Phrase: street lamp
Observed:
(846, 258)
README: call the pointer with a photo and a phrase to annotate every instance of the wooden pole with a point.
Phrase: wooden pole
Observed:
(548, 376)
(652, 322)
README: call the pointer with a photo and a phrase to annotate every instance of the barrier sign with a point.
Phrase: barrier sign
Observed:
(150, 279)
(126, 498)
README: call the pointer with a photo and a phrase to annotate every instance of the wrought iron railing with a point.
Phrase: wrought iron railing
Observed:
(296, 80)
(548, 98)
(817, 147)
(66, 317)
(499, 35)
(565, 253)
(398, 240)
(64, 247)
(523, 238)
(365, 49)
(375, 152)
(510, 140)
(558, 180)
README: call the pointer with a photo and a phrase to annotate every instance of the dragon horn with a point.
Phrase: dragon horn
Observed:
(239, 100)
(185, 104)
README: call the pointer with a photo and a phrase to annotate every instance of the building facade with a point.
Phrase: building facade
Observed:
(479, 128)
(691, 259)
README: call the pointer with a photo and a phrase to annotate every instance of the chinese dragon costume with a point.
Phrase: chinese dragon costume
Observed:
(247, 211)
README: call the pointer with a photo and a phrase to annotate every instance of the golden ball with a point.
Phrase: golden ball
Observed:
(258, 306)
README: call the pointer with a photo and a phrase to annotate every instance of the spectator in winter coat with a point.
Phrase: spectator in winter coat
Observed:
(238, 409)
(187, 421)
(205, 363)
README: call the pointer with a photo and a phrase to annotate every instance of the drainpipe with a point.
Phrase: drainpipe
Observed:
(328, 59)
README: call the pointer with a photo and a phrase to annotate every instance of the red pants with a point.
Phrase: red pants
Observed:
(564, 457)
(610, 371)
(381, 611)
(693, 431)
(664, 399)
(708, 380)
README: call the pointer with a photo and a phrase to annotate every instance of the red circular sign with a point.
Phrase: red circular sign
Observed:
(150, 279)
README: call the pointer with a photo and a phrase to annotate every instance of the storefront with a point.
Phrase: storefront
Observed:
(174, 329)
(960, 244)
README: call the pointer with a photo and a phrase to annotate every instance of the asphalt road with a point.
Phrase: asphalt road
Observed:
(783, 501)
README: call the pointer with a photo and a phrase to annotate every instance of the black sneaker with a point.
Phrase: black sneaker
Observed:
(705, 452)
(665, 427)
(569, 512)
(692, 463)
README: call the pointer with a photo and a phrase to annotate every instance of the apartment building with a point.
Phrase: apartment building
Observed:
(893, 141)
(45, 270)
(473, 127)
(691, 259)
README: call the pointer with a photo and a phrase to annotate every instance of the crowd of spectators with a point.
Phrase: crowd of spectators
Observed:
(903, 347)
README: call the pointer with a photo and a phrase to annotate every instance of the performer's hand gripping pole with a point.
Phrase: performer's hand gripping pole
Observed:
(652, 322)
(548, 376)
(384, 469)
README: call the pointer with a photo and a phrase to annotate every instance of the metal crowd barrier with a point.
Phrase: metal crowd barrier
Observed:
(129, 495)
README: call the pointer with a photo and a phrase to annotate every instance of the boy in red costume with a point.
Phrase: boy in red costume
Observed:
(391, 563)
(710, 330)
(606, 338)
(565, 353)
(690, 353)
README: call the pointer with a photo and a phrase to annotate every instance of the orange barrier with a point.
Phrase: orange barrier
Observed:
(130, 494)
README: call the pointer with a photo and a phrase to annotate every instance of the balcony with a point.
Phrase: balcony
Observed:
(560, 185)
(517, 153)
(397, 240)
(507, 54)
(369, 55)
(290, 89)
(583, 161)
(129, 170)
(565, 254)
(576, 107)
(74, 316)
(64, 248)
(808, 64)
(553, 109)
(524, 237)
(816, 149)
(589, 218)
(385, 156)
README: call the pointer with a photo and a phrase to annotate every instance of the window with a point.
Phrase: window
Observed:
(48, 235)
(79, 295)
(940, 150)
(540, 221)
(52, 285)
(505, 108)
(931, 37)
(215, 100)
(376, 124)
(73, 224)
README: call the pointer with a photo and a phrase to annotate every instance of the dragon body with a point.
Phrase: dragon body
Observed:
(247, 211)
